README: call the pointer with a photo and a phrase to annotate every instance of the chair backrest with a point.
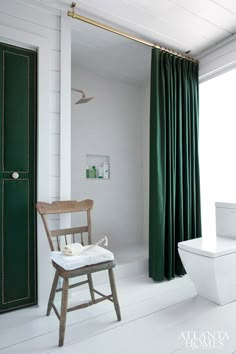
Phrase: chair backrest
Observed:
(61, 207)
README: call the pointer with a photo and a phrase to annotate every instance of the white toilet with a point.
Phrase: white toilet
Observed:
(212, 267)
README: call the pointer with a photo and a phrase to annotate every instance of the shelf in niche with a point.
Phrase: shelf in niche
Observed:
(99, 165)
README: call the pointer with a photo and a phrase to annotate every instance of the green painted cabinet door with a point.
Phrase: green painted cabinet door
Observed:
(17, 177)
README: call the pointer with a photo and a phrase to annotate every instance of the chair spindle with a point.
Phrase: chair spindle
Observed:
(82, 239)
(58, 244)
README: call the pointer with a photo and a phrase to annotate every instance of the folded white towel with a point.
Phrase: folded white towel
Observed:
(75, 249)
(94, 255)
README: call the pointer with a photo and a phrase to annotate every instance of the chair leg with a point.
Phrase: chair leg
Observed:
(52, 293)
(64, 302)
(90, 282)
(114, 293)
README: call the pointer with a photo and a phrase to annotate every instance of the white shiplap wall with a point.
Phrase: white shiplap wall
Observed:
(42, 23)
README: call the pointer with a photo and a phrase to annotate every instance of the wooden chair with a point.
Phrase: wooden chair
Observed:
(60, 207)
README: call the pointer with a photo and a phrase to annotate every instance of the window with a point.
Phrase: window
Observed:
(217, 146)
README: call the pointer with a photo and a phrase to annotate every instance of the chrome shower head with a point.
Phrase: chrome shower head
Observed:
(83, 99)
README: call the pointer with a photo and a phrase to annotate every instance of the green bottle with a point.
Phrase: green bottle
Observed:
(90, 172)
(94, 172)
(87, 172)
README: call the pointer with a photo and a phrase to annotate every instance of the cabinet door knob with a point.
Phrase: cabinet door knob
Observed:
(15, 175)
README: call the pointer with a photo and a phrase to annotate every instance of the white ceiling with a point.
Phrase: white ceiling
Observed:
(183, 25)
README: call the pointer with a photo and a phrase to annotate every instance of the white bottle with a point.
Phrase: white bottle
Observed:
(105, 170)
(100, 172)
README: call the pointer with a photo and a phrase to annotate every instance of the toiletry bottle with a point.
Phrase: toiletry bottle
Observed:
(105, 170)
(90, 172)
(94, 172)
(87, 172)
(100, 172)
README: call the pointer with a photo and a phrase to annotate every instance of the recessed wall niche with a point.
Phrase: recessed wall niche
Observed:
(97, 167)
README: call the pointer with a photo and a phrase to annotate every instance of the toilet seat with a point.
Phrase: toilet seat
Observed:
(221, 247)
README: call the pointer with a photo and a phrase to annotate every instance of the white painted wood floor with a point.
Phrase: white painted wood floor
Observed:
(154, 315)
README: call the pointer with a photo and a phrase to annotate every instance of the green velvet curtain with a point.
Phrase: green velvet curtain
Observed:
(174, 213)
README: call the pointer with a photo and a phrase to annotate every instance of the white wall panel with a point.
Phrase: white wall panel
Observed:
(54, 60)
(54, 186)
(53, 36)
(54, 144)
(30, 15)
(55, 166)
(54, 81)
(54, 102)
(55, 123)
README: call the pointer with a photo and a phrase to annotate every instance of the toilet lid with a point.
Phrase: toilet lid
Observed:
(221, 246)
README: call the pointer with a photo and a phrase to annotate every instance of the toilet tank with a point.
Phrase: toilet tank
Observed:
(226, 220)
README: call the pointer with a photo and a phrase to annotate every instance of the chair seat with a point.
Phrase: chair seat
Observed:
(95, 255)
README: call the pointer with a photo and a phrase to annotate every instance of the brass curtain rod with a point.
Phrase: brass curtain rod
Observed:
(124, 34)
